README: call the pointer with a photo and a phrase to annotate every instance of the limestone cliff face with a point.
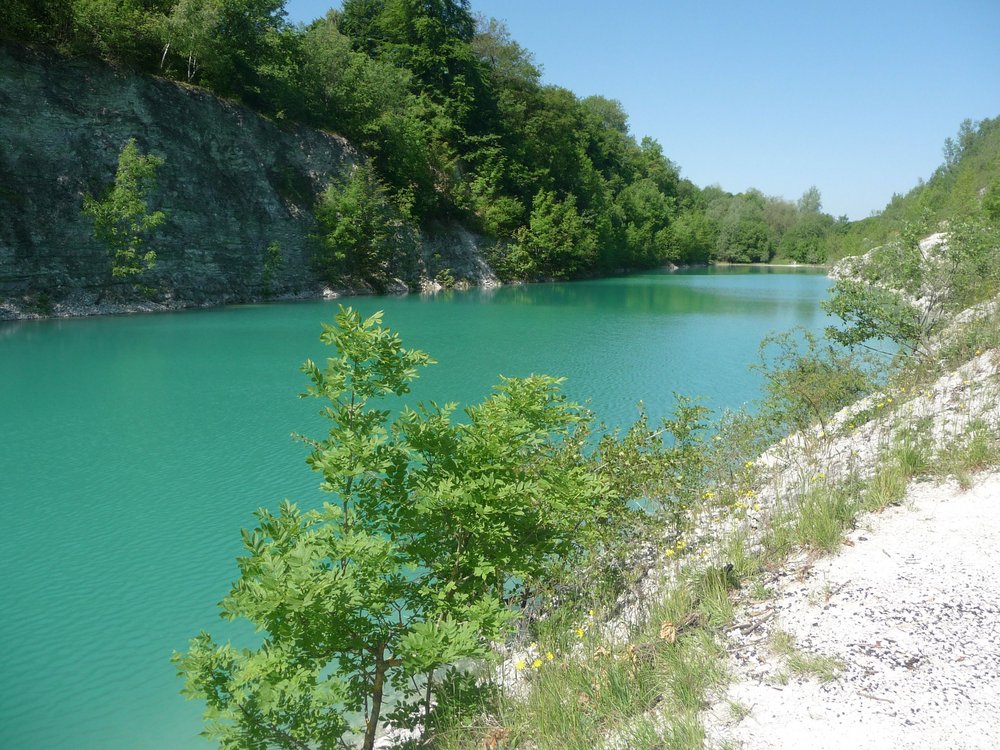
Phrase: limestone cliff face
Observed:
(232, 183)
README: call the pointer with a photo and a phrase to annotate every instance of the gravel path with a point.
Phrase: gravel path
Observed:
(910, 607)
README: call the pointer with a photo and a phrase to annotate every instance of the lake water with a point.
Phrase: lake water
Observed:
(136, 447)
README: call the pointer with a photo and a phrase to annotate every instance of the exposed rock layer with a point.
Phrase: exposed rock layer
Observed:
(232, 183)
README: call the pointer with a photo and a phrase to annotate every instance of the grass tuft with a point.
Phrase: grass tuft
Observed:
(824, 514)
(824, 668)
(886, 487)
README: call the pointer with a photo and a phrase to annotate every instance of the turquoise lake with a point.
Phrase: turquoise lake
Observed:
(136, 447)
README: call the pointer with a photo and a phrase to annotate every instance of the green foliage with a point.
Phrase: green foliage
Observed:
(654, 477)
(437, 535)
(122, 218)
(810, 202)
(805, 241)
(118, 30)
(873, 313)
(886, 487)
(824, 668)
(978, 448)
(991, 201)
(904, 294)
(361, 231)
(274, 261)
(452, 114)
(805, 381)
(647, 213)
(36, 20)
(190, 31)
(693, 237)
(744, 235)
(823, 515)
(445, 278)
(555, 244)
(233, 46)
(595, 688)
(959, 189)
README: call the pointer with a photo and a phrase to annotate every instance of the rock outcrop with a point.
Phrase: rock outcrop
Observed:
(232, 184)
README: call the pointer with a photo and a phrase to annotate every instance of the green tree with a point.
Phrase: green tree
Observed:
(271, 266)
(805, 241)
(744, 236)
(991, 201)
(509, 64)
(122, 218)
(432, 39)
(46, 21)
(556, 243)
(647, 213)
(191, 30)
(437, 534)
(903, 293)
(241, 47)
(811, 201)
(361, 231)
(693, 237)
(117, 30)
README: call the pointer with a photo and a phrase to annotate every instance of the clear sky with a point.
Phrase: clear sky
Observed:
(853, 97)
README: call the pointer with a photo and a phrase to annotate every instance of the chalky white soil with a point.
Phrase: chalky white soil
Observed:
(910, 606)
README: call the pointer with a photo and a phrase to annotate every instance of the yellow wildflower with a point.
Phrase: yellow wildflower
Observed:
(579, 632)
(536, 664)
(549, 656)
(670, 553)
(519, 665)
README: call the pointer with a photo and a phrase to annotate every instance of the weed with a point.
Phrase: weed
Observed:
(760, 592)
(824, 513)
(712, 587)
(886, 487)
(912, 450)
(824, 668)
(738, 710)
(977, 449)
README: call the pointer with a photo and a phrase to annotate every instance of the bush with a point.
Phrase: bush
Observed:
(806, 382)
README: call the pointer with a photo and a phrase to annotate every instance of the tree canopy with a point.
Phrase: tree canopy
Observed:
(458, 125)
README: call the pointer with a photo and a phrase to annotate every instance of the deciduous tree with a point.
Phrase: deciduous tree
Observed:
(436, 535)
(122, 219)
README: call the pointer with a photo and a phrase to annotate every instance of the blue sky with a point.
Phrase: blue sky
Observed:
(853, 97)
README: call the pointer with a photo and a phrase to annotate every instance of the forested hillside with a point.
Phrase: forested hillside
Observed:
(458, 127)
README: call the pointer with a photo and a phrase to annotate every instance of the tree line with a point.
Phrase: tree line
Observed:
(457, 124)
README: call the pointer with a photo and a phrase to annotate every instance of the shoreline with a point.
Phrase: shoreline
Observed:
(79, 304)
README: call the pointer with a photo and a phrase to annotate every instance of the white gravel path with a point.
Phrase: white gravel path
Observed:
(911, 607)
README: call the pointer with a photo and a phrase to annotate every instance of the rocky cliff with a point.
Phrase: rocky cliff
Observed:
(232, 183)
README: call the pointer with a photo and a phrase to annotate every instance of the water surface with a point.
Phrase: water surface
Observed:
(136, 447)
